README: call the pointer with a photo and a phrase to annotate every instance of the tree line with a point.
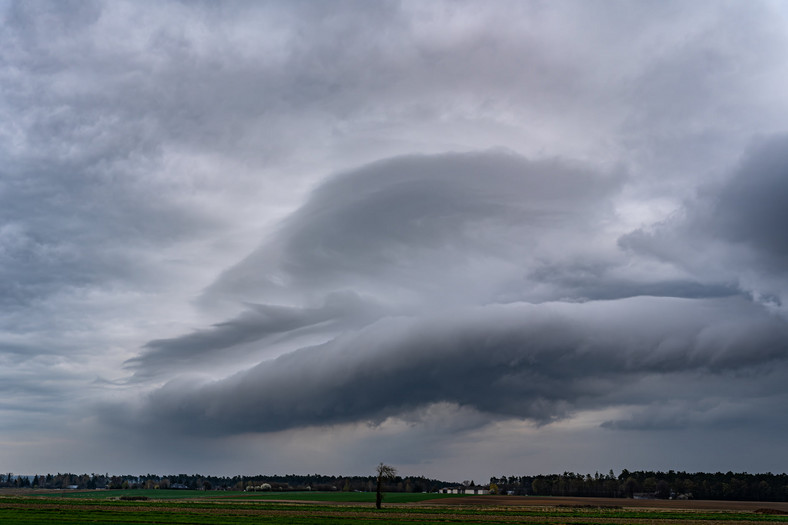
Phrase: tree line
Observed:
(650, 484)
(627, 484)
(294, 482)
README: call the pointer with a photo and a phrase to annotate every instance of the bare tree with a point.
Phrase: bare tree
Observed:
(385, 472)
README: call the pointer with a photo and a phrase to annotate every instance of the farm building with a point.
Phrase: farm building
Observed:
(467, 490)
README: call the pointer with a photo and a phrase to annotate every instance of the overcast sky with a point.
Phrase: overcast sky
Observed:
(462, 238)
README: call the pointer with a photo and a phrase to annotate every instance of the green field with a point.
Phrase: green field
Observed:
(198, 507)
(154, 494)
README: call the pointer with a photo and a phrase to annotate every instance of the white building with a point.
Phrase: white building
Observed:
(468, 491)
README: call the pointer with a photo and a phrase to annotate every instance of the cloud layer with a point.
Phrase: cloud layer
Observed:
(539, 362)
(458, 252)
(731, 230)
(307, 234)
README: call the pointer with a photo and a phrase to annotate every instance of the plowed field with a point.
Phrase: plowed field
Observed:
(21, 509)
(535, 501)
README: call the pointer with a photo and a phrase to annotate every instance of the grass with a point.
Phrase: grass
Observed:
(346, 497)
(198, 507)
(342, 497)
(114, 494)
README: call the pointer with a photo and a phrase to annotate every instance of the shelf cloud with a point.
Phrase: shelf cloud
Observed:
(476, 237)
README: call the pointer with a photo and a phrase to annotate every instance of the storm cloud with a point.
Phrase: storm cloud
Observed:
(473, 253)
(421, 223)
(478, 236)
(732, 230)
(539, 362)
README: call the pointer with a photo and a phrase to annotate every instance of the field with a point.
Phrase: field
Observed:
(197, 507)
(334, 497)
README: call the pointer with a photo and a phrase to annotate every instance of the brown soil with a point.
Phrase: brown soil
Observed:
(506, 510)
(536, 501)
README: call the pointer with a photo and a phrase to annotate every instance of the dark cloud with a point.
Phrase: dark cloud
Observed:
(411, 233)
(707, 412)
(258, 322)
(586, 281)
(539, 362)
(422, 226)
(732, 229)
(147, 148)
(750, 209)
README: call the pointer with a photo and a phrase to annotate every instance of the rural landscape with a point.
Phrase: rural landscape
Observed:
(315, 499)
(191, 507)
(393, 261)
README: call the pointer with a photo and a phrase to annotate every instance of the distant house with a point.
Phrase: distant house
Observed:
(477, 490)
(467, 490)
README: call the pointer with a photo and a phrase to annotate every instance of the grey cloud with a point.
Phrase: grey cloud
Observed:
(147, 146)
(174, 82)
(412, 234)
(82, 202)
(17, 353)
(422, 232)
(750, 209)
(650, 418)
(415, 222)
(32, 387)
(599, 281)
(693, 130)
(713, 412)
(71, 239)
(731, 229)
(539, 362)
(258, 323)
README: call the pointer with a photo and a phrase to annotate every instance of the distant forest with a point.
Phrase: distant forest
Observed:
(650, 484)
(645, 484)
(199, 482)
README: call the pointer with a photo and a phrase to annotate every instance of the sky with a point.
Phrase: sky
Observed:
(465, 239)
